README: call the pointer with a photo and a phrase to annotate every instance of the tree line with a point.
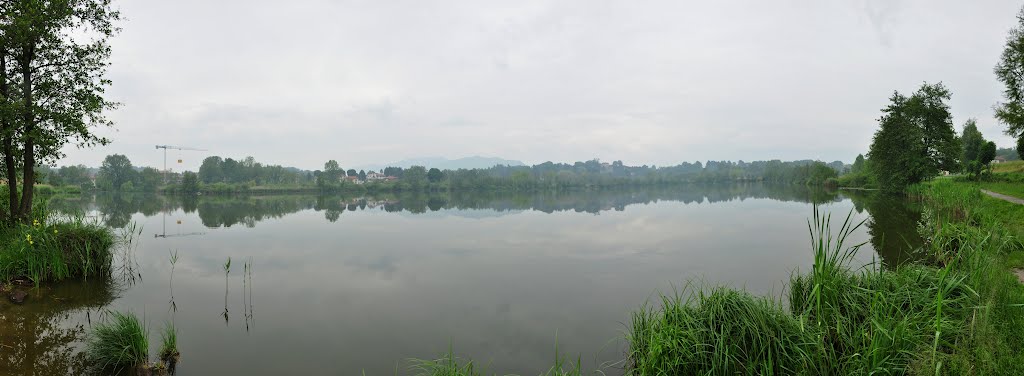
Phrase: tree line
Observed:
(227, 175)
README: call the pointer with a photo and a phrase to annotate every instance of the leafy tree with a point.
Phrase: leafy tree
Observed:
(858, 165)
(352, 172)
(1020, 147)
(394, 171)
(988, 153)
(915, 140)
(149, 179)
(210, 171)
(415, 176)
(434, 175)
(115, 171)
(1010, 71)
(190, 183)
(972, 142)
(362, 174)
(898, 155)
(74, 175)
(53, 58)
(929, 110)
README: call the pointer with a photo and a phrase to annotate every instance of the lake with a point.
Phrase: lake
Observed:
(342, 285)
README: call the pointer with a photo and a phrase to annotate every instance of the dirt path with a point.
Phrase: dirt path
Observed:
(1004, 197)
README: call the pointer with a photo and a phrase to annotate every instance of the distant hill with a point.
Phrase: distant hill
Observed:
(445, 163)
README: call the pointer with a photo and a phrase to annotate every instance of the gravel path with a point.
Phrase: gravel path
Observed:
(1004, 197)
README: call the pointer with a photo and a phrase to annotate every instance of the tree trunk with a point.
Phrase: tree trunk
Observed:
(8, 143)
(28, 178)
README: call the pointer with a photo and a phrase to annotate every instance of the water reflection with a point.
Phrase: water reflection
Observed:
(44, 336)
(893, 226)
(227, 211)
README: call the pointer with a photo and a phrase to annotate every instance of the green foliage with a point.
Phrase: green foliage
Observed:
(77, 175)
(56, 251)
(897, 154)
(450, 365)
(190, 183)
(915, 139)
(120, 342)
(169, 336)
(115, 171)
(53, 59)
(415, 176)
(961, 315)
(434, 175)
(724, 332)
(1020, 147)
(1010, 71)
(972, 142)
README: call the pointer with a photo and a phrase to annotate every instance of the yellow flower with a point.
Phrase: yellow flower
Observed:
(30, 242)
(54, 231)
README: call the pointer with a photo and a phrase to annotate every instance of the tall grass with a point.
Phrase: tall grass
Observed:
(56, 251)
(119, 343)
(845, 319)
(722, 331)
(169, 342)
(450, 365)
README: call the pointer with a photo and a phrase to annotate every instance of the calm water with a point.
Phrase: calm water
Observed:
(341, 285)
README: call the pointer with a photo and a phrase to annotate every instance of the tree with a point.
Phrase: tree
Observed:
(210, 171)
(929, 110)
(1020, 147)
(897, 153)
(352, 172)
(415, 176)
(434, 175)
(1010, 71)
(973, 143)
(189, 183)
(149, 179)
(362, 174)
(115, 171)
(915, 139)
(988, 153)
(53, 59)
(74, 175)
(858, 165)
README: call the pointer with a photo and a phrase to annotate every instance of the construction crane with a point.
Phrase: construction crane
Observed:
(165, 147)
(165, 235)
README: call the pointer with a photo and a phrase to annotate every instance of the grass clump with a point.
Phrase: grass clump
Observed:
(723, 331)
(450, 365)
(446, 365)
(169, 342)
(55, 251)
(119, 343)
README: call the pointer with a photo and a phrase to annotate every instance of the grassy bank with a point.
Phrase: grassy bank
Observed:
(960, 312)
(49, 250)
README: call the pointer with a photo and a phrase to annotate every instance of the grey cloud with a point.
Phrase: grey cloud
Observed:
(655, 82)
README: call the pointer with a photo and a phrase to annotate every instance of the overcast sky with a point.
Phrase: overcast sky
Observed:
(648, 82)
